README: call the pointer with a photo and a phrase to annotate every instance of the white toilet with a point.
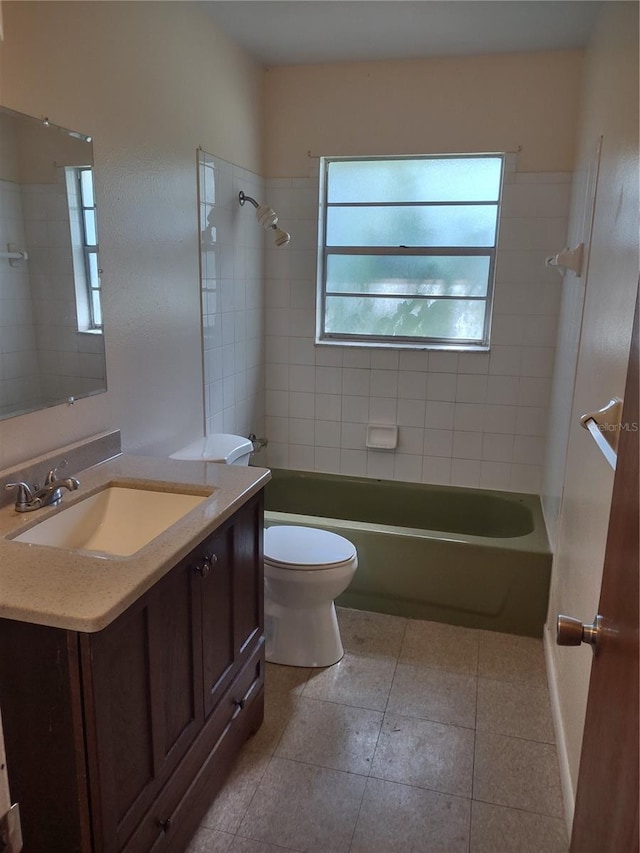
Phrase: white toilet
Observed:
(305, 569)
(220, 447)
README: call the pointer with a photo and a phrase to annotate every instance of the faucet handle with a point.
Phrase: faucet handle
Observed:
(24, 496)
(52, 476)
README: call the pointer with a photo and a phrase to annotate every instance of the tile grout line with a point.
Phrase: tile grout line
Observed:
(246, 811)
(264, 772)
(521, 809)
(475, 741)
(373, 754)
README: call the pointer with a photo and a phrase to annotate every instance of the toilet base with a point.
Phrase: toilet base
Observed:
(306, 636)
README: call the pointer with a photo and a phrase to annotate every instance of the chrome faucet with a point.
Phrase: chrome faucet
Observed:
(34, 497)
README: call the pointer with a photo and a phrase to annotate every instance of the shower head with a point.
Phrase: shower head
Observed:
(267, 217)
(283, 238)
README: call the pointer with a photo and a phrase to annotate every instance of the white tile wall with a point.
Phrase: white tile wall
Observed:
(233, 310)
(471, 419)
(19, 378)
(69, 361)
(43, 357)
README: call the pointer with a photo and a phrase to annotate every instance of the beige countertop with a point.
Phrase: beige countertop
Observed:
(84, 592)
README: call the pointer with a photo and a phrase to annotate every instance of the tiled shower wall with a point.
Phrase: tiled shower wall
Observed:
(19, 377)
(232, 281)
(71, 362)
(43, 356)
(468, 419)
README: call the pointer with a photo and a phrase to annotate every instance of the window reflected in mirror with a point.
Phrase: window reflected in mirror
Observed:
(51, 318)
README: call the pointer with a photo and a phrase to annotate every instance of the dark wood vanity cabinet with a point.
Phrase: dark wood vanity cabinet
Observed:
(152, 709)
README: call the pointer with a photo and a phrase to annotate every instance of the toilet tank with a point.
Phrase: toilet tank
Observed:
(219, 447)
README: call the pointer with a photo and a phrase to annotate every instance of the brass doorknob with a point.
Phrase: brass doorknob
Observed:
(573, 632)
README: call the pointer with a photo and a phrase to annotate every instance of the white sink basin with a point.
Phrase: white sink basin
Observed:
(116, 521)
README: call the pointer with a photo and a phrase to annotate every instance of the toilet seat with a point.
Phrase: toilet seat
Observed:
(306, 548)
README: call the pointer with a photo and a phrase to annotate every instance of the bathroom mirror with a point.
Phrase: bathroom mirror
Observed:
(51, 325)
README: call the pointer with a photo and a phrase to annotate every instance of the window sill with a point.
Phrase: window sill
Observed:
(404, 346)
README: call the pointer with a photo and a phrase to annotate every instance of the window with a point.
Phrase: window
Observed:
(408, 250)
(84, 241)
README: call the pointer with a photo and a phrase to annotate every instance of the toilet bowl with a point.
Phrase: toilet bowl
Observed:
(305, 569)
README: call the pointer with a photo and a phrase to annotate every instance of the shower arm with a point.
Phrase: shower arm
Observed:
(268, 218)
(242, 198)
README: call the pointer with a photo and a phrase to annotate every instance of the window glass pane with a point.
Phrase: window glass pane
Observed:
(96, 307)
(94, 276)
(437, 179)
(408, 275)
(454, 225)
(420, 318)
(90, 227)
(86, 185)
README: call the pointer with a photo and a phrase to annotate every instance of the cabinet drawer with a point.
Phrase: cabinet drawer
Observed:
(176, 813)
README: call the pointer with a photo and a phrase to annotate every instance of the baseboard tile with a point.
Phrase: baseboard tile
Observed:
(568, 796)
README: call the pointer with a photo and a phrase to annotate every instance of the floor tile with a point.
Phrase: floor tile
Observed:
(433, 694)
(517, 710)
(519, 773)
(496, 828)
(388, 734)
(331, 735)
(248, 845)
(285, 679)
(366, 633)
(364, 682)
(425, 754)
(440, 646)
(506, 657)
(210, 841)
(230, 805)
(278, 710)
(304, 807)
(397, 818)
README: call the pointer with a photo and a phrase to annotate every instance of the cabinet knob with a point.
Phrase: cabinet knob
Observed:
(204, 568)
(165, 825)
(240, 703)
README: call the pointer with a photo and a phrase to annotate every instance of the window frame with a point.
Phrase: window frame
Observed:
(82, 250)
(90, 248)
(404, 342)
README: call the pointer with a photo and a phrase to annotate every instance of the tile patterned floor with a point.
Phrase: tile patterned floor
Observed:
(425, 737)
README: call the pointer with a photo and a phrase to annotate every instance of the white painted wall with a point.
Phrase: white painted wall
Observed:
(600, 346)
(150, 81)
(425, 106)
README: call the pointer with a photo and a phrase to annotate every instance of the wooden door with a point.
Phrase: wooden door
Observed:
(606, 816)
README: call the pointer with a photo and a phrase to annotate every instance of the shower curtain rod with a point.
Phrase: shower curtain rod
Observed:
(515, 150)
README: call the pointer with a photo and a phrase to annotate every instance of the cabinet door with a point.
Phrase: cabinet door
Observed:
(145, 707)
(232, 599)
(218, 647)
(248, 589)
